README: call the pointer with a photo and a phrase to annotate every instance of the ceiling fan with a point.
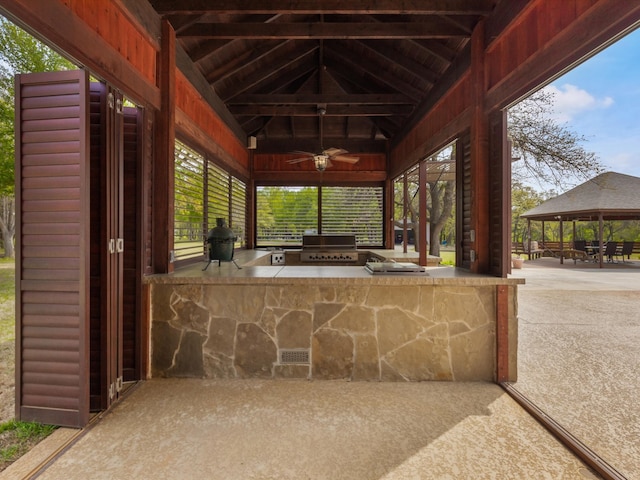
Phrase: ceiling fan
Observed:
(324, 158)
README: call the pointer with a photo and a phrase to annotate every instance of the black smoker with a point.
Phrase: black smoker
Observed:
(221, 241)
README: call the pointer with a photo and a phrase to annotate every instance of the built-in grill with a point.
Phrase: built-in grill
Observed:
(329, 248)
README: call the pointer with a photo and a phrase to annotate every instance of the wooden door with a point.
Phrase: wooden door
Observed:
(52, 248)
(71, 248)
(114, 237)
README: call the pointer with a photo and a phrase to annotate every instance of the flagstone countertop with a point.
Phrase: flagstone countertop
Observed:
(255, 272)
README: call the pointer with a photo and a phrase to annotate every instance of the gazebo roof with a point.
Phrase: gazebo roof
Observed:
(612, 195)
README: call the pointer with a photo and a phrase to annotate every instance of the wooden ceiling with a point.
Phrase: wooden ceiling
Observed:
(372, 66)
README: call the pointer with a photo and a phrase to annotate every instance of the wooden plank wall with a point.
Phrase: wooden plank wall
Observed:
(274, 167)
(201, 124)
(113, 25)
(447, 118)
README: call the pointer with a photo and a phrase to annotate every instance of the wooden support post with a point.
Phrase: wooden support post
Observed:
(389, 224)
(479, 155)
(561, 241)
(405, 194)
(422, 214)
(163, 168)
(502, 333)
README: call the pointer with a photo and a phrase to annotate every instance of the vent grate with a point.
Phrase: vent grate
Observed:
(294, 356)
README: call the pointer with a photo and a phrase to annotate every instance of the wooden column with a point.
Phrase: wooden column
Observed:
(479, 156)
(389, 216)
(502, 333)
(422, 214)
(163, 167)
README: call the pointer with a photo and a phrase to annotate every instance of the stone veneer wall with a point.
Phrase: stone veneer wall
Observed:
(355, 332)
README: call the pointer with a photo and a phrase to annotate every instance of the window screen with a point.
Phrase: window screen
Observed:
(285, 214)
(201, 196)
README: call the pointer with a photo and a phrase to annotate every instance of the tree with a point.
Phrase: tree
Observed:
(523, 198)
(440, 199)
(548, 152)
(20, 53)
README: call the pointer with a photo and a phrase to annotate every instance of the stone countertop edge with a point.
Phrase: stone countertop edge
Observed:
(229, 274)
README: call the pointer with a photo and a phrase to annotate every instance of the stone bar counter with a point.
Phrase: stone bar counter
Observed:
(331, 322)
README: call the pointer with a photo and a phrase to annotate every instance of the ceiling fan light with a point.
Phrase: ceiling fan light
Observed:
(321, 162)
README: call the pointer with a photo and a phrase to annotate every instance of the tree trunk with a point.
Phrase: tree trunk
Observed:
(442, 199)
(8, 224)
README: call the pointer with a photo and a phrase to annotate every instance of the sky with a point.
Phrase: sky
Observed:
(600, 100)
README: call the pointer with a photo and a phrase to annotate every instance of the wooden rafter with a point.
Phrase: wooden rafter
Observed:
(380, 7)
(329, 99)
(392, 30)
(311, 111)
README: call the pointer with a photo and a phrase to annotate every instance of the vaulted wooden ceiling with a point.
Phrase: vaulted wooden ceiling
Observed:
(371, 67)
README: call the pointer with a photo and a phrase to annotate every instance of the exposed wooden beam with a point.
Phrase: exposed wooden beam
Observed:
(379, 7)
(244, 60)
(315, 99)
(301, 31)
(389, 54)
(345, 60)
(301, 57)
(311, 144)
(331, 111)
(333, 177)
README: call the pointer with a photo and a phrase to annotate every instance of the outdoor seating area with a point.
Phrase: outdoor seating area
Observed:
(609, 196)
(588, 251)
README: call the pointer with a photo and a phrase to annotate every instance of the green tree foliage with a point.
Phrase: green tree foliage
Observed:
(20, 53)
(524, 198)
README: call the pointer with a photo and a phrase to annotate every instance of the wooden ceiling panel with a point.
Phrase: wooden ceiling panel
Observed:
(369, 66)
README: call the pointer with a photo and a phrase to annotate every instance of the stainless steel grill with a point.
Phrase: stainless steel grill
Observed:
(329, 248)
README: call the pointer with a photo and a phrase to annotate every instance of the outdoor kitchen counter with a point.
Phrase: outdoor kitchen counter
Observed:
(255, 273)
(330, 322)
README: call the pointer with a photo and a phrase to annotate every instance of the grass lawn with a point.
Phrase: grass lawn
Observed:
(16, 438)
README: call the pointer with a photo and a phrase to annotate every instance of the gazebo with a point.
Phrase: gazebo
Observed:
(608, 196)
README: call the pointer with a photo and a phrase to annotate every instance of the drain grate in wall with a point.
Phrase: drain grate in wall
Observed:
(294, 356)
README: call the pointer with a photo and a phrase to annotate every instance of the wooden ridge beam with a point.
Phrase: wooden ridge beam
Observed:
(315, 99)
(379, 7)
(332, 111)
(317, 31)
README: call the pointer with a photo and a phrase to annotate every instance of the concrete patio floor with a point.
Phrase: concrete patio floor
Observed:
(296, 429)
(579, 353)
(570, 320)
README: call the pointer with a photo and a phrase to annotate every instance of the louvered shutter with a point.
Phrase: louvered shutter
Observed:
(52, 258)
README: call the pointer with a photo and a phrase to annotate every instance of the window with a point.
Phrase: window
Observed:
(204, 192)
(353, 210)
(285, 214)
(189, 223)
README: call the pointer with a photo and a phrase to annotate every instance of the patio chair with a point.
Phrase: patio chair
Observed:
(610, 250)
(581, 246)
(627, 250)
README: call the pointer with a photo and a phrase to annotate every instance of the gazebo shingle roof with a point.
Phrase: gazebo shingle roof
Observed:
(612, 195)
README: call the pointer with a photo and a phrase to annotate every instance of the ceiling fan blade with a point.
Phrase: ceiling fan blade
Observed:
(332, 152)
(342, 158)
(302, 152)
(298, 160)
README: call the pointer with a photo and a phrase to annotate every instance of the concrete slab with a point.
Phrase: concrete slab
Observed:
(255, 429)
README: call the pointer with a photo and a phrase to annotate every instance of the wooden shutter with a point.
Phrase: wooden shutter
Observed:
(499, 196)
(52, 261)
(464, 201)
(132, 335)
